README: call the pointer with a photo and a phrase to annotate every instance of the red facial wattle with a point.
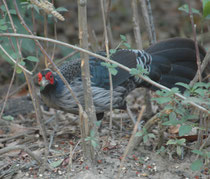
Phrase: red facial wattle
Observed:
(49, 77)
(39, 77)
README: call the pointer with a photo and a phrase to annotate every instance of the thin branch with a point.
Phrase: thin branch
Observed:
(195, 40)
(147, 20)
(152, 26)
(204, 64)
(105, 59)
(35, 101)
(25, 149)
(108, 26)
(108, 56)
(136, 27)
(7, 95)
(130, 143)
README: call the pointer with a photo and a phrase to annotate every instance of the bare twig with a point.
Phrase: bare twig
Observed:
(195, 40)
(136, 27)
(130, 143)
(152, 26)
(108, 56)
(25, 149)
(107, 60)
(10, 85)
(39, 117)
(204, 64)
(108, 3)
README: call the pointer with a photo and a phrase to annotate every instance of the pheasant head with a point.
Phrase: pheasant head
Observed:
(46, 79)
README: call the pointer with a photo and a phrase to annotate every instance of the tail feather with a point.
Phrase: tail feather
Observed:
(174, 43)
(174, 60)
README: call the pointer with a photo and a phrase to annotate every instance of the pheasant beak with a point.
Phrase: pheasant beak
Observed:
(43, 83)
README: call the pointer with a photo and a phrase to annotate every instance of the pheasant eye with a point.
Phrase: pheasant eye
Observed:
(39, 77)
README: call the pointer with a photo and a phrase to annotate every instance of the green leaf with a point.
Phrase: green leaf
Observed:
(175, 90)
(171, 142)
(92, 133)
(12, 11)
(185, 8)
(201, 84)
(206, 8)
(56, 163)
(145, 138)
(184, 85)
(172, 122)
(112, 51)
(197, 152)
(185, 129)
(139, 134)
(98, 123)
(151, 135)
(196, 165)
(113, 71)
(8, 118)
(200, 91)
(94, 143)
(181, 141)
(179, 150)
(172, 116)
(123, 38)
(19, 70)
(162, 149)
(111, 67)
(127, 45)
(162, 100)
(32, 59)
(134, 71)
(2, 21)
(3, 27)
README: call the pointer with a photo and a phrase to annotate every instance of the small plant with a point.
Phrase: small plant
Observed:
(177, 112)
(92, 138)
(145, 135)
(178, 143)
(199, 163)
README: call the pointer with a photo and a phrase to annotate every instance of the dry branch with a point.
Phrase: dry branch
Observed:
(86, 124)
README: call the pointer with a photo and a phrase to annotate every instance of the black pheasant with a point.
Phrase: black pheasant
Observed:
(168, 62)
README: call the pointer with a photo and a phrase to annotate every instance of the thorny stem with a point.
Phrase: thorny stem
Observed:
(107, 60)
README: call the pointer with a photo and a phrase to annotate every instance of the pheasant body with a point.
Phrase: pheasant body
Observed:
(167, 62)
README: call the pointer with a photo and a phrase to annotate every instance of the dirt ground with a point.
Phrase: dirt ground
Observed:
(64, 138)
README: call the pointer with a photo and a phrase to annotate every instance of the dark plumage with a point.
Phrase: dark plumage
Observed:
(168, 62)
